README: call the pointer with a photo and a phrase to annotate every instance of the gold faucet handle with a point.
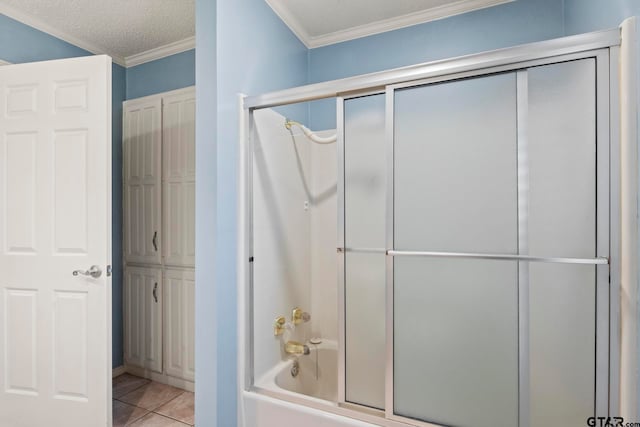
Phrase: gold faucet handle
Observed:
(278, 325)
(298, 316)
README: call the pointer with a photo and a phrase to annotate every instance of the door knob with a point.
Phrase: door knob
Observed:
(94, 272)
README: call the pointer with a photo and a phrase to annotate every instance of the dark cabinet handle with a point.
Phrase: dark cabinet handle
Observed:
(155, 292)
(155, 241)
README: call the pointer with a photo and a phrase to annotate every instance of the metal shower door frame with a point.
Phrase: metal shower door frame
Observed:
(607, 233)
(604, 46)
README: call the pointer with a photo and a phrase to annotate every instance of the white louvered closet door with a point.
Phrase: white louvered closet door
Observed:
(142, 180)
(179, 328)
(179, 175)
(143, 317)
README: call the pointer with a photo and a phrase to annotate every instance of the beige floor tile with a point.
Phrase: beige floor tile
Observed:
(155, 420)
(126, 383)
(181, 408)
(124, 414)
(151, 396)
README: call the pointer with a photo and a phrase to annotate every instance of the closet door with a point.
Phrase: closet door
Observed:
(143, 318)
(179, 323)
(142, 180)
(178, 140)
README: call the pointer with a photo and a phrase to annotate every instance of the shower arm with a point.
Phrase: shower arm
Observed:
(309, 134)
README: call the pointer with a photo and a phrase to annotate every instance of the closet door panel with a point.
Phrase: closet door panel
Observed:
(142, 180)
(179, 320)
(173, 215)
(143, 317)
(178, 139)
(133, 352)
(190, 222)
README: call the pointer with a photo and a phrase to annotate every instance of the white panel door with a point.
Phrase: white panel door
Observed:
(55, 217)
(178, 139)
(179, 323)
(143, 317)
(142, 180)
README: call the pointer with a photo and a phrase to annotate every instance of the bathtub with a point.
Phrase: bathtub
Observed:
(282, 399)
(317, 377)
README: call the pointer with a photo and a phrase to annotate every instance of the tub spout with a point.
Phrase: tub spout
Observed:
(295, 348)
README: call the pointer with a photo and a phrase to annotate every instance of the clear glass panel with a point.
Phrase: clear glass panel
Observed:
(455, 166)
(294, 228)
(562, 344)
(281, 235)
(456, 341)
(365, 201)
(562, 222)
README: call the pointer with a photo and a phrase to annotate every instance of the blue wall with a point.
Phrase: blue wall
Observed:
(582, 16)
(206, 212)
(21, 43)
(522, 21)
(173, 72)
(118, 96)
(253, 52)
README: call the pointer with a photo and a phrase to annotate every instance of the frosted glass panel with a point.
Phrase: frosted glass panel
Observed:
(365, 329)
(562, 159)
(455, 166)
(365, 201)
(562, 222)
(455, 189)
(562, 344)
(456, 341)
(365, 172)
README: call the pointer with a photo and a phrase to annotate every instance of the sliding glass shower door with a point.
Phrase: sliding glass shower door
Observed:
(456, 320)
(497, 241)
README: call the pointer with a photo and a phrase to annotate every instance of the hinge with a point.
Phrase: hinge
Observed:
(250, 259)
(108, 270)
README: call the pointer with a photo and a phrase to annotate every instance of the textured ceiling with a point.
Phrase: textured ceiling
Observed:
(319, 22)
(118, 27)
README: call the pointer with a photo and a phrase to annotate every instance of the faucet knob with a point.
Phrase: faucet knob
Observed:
(298, 316)
(295, 348)
(279, 325)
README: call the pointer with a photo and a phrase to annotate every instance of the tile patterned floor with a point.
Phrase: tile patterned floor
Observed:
(138, 402)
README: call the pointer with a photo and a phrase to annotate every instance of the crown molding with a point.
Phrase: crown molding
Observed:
(378, 27)
(40, 25)
(161, 52)
(291, 21)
